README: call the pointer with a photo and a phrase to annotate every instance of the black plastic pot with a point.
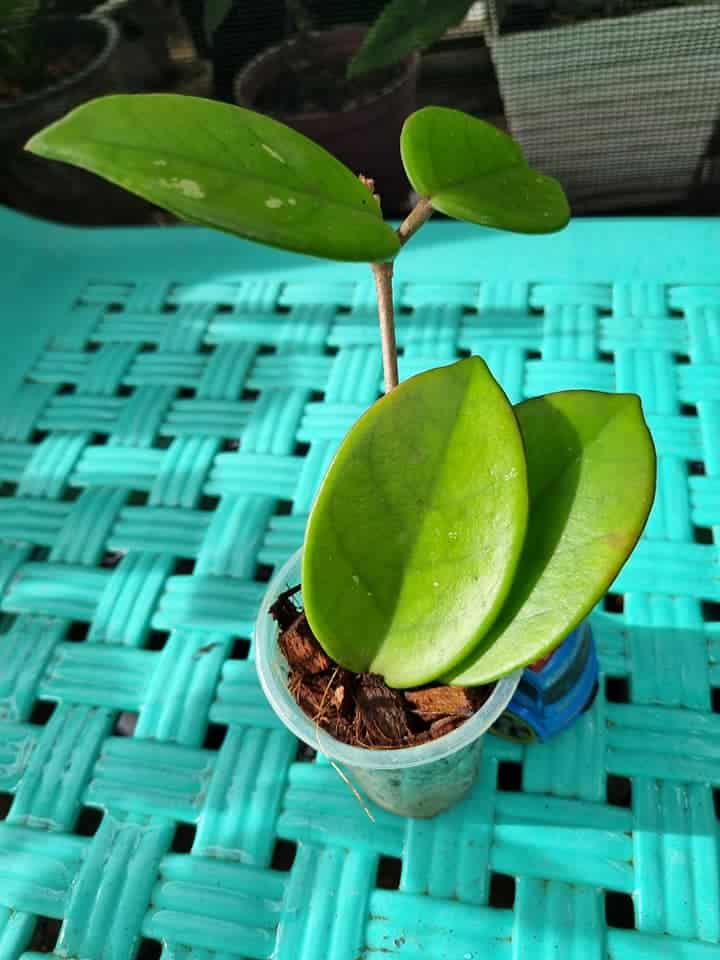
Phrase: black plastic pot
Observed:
(30, 113)
(45, 188)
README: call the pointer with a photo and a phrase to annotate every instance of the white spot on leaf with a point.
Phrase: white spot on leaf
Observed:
(435, 583)
(190, 188)
(452, 535)
(273, 153)
(292, 201)
(159, 163)
(356, 578)
(273, 202)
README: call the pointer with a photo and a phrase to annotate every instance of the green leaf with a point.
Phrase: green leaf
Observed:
(225, 167)
(473, 171)
(403, 27)
(214, 12)
(418, 526)
(591, 476)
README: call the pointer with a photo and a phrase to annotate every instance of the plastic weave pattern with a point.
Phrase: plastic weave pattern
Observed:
(170, 400)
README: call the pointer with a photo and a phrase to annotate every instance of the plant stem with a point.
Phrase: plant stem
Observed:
(383, 287)
(421, 212)
(383, 274)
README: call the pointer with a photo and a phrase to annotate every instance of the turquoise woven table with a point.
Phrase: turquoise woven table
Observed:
(169, 402)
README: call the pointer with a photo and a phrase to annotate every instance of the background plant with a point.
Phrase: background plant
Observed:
(402, 27)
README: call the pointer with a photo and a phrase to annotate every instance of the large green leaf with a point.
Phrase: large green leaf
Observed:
(224, 167)
(403, 27)
(473, 171)
(418, 527)
(591, 477)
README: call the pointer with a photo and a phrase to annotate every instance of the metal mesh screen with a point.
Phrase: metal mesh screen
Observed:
(621, 110)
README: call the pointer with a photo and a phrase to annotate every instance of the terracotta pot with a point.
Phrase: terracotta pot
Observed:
(365, 135)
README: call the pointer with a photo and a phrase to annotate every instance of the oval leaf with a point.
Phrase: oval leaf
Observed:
(417, 529)
(403, 27)
(473, 171)
(225, 167)
(591, 477)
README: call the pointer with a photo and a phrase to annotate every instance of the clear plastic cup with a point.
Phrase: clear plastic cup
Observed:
(413, 781)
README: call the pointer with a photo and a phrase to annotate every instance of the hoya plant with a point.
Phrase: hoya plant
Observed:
(454, 537)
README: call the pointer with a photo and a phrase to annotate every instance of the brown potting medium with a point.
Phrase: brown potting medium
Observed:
(360, 709)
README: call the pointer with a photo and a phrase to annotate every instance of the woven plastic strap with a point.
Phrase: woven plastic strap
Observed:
(169, 404)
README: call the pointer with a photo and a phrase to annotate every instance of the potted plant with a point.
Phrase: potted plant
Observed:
(346, 87)
(617, 98)
(49, 62)
(454, 539)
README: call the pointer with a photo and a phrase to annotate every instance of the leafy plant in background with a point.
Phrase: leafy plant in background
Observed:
(403, 27)
(453, 537)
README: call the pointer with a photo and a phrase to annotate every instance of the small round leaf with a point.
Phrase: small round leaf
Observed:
(403, 27)
(472, 171)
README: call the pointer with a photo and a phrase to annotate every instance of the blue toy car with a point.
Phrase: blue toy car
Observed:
(553, 692)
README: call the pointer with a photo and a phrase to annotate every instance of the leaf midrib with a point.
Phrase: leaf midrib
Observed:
(421, 526)
(412, 547)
